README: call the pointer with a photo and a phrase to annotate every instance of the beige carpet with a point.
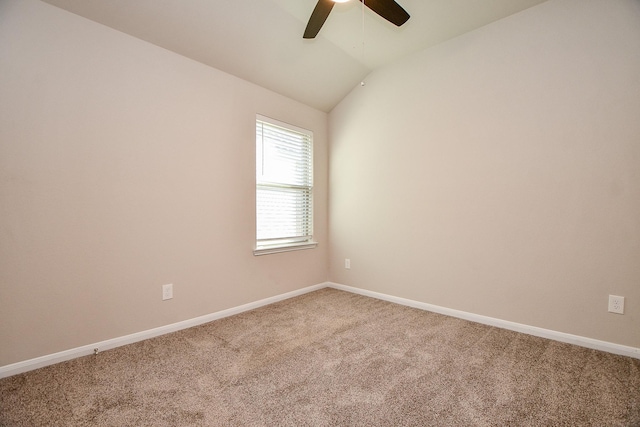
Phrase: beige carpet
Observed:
(331, 358)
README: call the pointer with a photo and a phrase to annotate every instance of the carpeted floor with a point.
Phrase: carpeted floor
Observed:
(331, 358)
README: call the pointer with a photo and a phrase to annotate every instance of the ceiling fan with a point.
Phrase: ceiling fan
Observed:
(388, 9)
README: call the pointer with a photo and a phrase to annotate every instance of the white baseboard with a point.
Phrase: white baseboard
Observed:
(51, 359)
(504, 324)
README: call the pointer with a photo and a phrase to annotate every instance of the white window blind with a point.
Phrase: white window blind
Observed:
(284, 187)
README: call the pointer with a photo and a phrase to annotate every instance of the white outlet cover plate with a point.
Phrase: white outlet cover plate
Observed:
(167, 291)
(616, 304)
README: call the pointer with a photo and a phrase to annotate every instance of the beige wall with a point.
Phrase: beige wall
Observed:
(124, 167)
(499, 173)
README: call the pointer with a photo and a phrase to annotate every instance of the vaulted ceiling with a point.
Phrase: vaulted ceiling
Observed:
(261, 40)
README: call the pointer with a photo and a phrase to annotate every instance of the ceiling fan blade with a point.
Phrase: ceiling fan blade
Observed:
(319, 15)
(389, 10)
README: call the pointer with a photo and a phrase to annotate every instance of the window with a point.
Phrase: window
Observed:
(284, 187)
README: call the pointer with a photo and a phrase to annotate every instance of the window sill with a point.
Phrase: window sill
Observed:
(266, 250)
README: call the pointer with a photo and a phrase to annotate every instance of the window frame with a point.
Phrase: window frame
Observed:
(283, 243)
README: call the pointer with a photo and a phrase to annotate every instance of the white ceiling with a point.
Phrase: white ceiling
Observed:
(261, 40)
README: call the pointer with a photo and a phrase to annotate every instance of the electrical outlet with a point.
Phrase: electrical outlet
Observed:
(347, 263)
(167, 291)
(616, 304)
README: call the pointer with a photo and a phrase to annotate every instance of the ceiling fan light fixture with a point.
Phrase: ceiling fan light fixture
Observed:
(340, 1)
